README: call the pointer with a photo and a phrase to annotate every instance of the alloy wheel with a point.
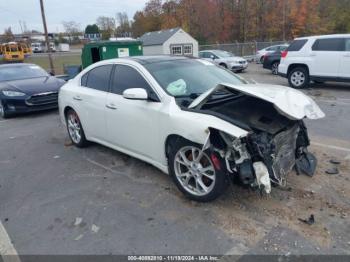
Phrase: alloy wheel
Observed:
(194, 170)
(298, 78)
(275, 68)
(74, 127)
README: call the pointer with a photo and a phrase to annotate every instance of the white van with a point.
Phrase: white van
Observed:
(37, 47)
(316, 58)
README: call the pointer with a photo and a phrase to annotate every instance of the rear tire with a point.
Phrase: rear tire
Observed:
(194, 172)
(75, 129)
(299, 78)
(274, 68)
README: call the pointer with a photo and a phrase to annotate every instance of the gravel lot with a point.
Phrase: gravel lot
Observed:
(57, 199)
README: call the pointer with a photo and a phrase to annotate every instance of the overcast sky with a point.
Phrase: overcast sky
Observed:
(82, 11)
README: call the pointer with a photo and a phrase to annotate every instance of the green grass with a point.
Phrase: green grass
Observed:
(58, 61)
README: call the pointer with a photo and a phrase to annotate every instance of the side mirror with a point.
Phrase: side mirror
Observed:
(50, 73)
(135, 94)
(212, 57)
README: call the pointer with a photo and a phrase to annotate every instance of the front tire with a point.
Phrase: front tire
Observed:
(195, 173)
(223, 65)
(3, 112)
(75, 129)
(262, 59)
(299, 78)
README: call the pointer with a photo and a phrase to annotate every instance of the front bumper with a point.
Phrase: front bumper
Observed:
(21, 105)
(238, 67)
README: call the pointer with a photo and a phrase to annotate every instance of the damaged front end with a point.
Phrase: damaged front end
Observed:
(277, 138)
(260, 159)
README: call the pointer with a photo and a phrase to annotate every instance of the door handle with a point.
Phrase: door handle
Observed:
(111, 106)
(347, 55)
(312, 54)
(78, 98)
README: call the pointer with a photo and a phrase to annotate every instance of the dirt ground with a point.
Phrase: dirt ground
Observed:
(251, 216)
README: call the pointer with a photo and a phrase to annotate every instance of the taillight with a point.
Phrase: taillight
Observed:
(284, 54)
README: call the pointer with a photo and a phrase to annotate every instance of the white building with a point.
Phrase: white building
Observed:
(173, 41)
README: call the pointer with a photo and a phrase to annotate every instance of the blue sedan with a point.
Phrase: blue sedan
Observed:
(27, 88)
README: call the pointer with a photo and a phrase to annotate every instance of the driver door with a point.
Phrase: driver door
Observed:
(132, 124)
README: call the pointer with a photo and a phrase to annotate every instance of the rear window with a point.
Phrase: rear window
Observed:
(296, 45)
(329, 44)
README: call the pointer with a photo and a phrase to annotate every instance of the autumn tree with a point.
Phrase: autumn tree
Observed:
(225, 21)
(123, 29)
(8, 35)
(72, 29)
(106, 26)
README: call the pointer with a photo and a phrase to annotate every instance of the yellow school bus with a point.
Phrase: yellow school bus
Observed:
(12, 52)
(26, 49)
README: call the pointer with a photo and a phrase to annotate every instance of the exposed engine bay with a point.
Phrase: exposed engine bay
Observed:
(274, 146)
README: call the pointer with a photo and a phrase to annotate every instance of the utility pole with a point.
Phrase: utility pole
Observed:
(284, 20)
(52, 69)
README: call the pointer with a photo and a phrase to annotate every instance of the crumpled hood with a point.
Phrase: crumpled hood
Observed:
(33, 86)
(289, 102)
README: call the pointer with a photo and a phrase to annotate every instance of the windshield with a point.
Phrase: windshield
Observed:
(189, 77)
(223, 54)
(21, 72)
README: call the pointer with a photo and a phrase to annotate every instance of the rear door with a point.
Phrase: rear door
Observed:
(91, 100)
(325, 56)
(344, 68)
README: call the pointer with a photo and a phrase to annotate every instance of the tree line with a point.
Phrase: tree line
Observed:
(225, 21)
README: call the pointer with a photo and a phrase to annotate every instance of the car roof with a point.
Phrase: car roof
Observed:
(276, 45)
(156, 59)
(17, 65)
(214, 50)
(324, 36)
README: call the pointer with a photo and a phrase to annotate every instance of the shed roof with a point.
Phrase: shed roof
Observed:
(113, 43)
(158, 37)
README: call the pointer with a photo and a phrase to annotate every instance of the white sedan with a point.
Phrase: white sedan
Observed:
(196, 121)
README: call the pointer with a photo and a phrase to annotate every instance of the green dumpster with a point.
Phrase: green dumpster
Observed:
(97, 51)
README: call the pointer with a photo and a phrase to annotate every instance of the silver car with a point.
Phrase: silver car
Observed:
(225, 59)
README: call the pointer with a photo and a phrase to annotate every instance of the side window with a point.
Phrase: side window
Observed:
(281, 48)
(210, 55)
(126, 77)
(297, 45)
(273, 48)
(329, 44)
(188, 50)
(202, 54)
(176, 50)
(84, 78)
(206, 55)
(347, 45)
(98, 77)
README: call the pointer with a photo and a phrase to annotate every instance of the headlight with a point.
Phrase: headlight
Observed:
(13, 93)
